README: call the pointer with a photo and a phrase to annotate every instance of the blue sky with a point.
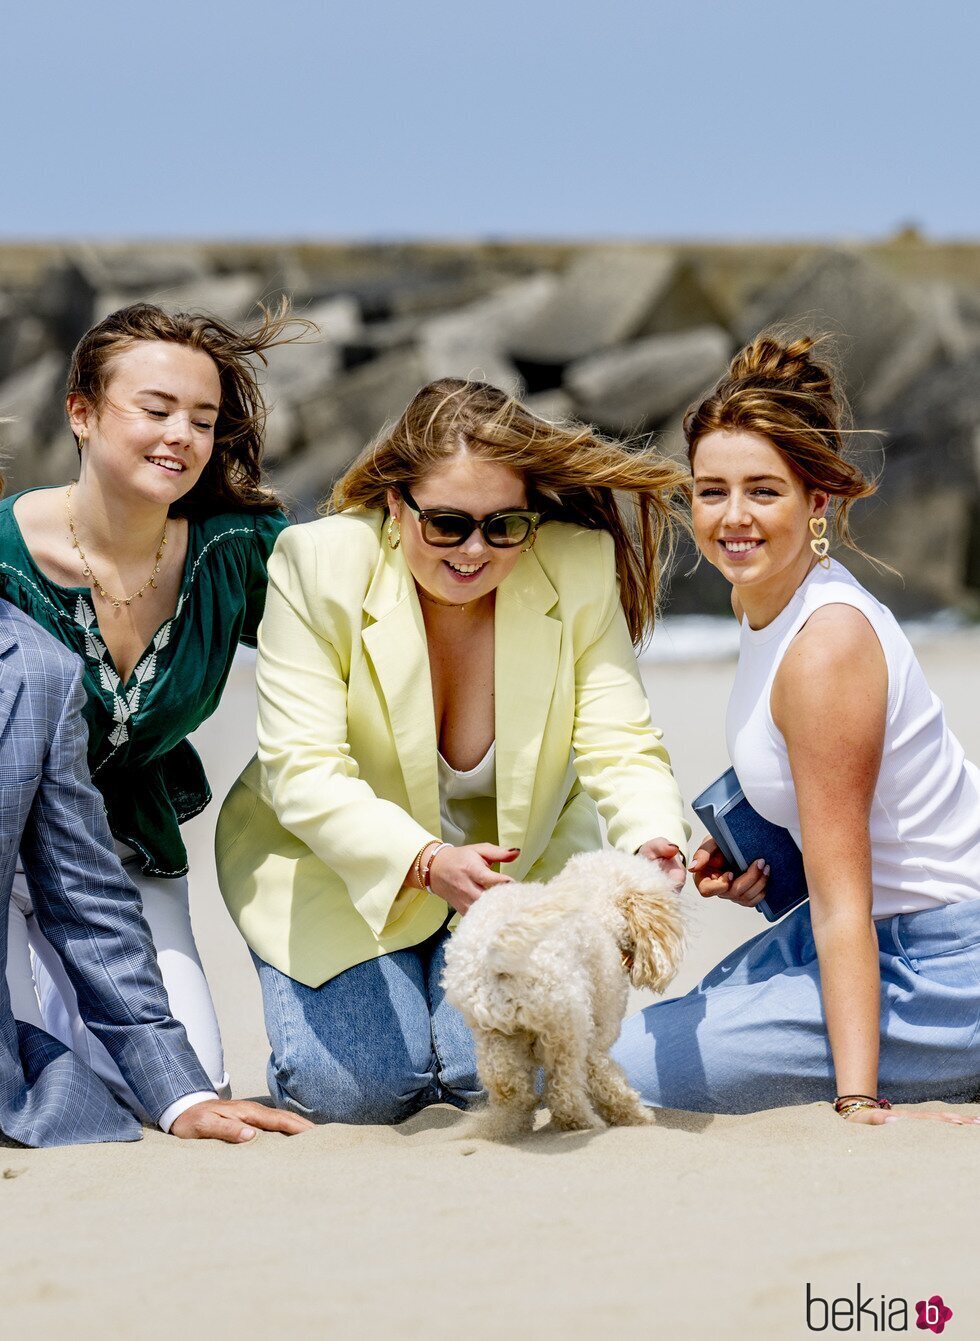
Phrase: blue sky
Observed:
(698, 118)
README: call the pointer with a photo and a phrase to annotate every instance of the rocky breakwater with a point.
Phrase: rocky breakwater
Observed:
(624, 337)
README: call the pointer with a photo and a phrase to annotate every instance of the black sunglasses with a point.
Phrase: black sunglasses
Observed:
(445, 527)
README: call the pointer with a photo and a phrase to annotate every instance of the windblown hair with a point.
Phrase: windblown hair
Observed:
(775, 388)
(571, 474)
(232, 479)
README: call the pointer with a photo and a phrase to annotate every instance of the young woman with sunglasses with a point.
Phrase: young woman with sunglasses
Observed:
(447, 685)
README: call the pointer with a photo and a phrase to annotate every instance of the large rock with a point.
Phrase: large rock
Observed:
(943, 402)
(33, 400)
(140, 268)
(968, 311)
(635, 386)
(55, 463)
(603, 299)
(686, 303)
(882, 336)
(230, 298)
(337, 320)
(553, 406)
(8, 328)
(23, 337)
(950, 311)
(376, 338)
(473, 341)
(358, 404)
(23, 342)
(305, 479)
(693, 586)
(65, 301)
(923, 532)
(283, 432)
(669, 439)
(925, 519)
(300, 370)
(941, 334)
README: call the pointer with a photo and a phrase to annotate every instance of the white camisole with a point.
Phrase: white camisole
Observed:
(468, 801)
(925, 816)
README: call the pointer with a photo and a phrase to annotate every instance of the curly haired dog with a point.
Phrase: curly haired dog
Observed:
(541, 975)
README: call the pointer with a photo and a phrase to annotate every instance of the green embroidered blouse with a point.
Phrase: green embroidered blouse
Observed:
(149, 774)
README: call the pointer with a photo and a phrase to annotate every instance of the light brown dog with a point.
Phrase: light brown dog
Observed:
(541, 974)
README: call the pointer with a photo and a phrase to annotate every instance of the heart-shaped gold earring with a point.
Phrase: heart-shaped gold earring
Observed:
(820, 544)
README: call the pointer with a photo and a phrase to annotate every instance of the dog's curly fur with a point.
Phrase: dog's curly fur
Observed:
(537, 971)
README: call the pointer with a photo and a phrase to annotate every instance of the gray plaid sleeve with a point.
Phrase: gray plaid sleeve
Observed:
(91, 913)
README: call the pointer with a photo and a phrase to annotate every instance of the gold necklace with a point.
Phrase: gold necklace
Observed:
(446, 605)
(117, 601)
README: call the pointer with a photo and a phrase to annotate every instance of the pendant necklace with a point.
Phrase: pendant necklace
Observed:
(116, 601)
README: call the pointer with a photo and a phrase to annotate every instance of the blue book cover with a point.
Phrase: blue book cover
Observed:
(743, 835)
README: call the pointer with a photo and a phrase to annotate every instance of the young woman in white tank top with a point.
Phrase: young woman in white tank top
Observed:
(872, 988)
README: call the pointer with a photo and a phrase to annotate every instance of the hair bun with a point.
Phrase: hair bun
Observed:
(783, 365)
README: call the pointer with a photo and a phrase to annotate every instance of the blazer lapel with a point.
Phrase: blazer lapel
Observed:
(11, 677)
(395, 644)
(526, 656)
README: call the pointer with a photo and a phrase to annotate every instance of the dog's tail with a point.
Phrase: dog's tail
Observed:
(540, 915)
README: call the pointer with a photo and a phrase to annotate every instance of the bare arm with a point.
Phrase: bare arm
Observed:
(829, 700)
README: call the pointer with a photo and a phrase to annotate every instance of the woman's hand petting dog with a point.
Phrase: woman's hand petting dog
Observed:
(461, 874)
(713, 880)
(668, 854)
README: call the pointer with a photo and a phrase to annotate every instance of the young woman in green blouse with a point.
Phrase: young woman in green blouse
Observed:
(152, 567)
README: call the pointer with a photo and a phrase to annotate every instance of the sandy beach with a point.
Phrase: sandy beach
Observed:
(698, 1227)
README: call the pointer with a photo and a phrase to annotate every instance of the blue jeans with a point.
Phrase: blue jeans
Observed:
(752, 1034)
(373, 1045)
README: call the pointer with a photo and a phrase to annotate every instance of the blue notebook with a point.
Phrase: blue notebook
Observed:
(743, 836)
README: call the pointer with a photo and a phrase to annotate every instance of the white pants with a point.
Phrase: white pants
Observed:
(41, 992)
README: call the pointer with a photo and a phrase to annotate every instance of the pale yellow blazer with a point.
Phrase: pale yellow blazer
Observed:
(316, 837)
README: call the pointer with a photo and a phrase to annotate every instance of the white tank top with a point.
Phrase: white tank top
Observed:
(925, 816)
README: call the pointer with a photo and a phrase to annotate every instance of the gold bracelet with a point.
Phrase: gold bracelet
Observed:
(845, 1105)
(417, 863)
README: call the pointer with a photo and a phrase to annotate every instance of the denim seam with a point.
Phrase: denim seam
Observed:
(438, 1069)
(437, 1057)
(976, 1028)
(283, 1017)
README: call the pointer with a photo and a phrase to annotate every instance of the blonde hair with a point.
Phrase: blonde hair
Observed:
(775, 388)
(571, 474)
(232, 478)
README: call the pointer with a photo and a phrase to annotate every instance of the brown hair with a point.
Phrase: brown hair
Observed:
(232, 479)
(775, 388)
(571, 473)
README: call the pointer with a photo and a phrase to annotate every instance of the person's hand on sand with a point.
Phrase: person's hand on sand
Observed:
(234, 1120)
(668, 854)
(461, 874)
(877, 1117)
(713, 880)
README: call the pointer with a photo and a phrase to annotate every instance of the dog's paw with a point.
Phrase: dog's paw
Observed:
(633, 1117)
(578, 1120)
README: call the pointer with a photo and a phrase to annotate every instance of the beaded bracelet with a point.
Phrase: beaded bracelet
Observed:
(417, 864)
(428, 865)
(846, 1104)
